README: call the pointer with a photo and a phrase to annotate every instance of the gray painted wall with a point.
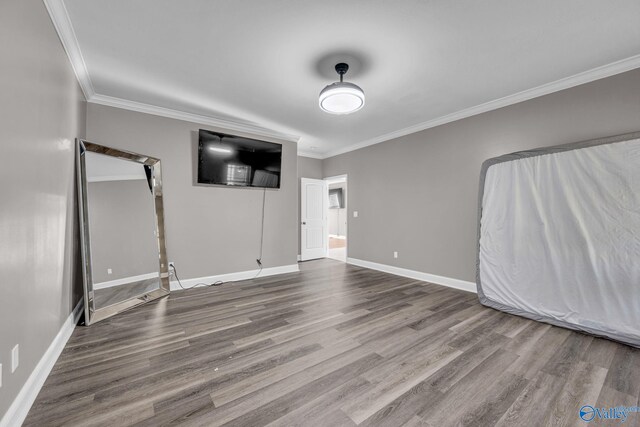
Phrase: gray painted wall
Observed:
(307, 168)
(209, 230)
(42, 111)
(122, 225)
(418, 194)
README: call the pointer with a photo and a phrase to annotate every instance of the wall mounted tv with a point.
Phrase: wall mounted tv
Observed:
(236, 161)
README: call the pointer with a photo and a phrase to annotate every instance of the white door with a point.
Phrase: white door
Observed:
(313, 218)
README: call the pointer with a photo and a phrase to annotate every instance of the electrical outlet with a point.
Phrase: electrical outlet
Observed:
(395, 254)
(172, 265)
(109, 271)
(355, 214)
(15, 358)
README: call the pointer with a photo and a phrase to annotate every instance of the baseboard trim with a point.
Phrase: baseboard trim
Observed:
(125, 280)
(19, 409)
(231, 277)
(418, 275)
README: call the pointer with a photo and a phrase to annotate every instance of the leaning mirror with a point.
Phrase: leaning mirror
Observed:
(122, 230)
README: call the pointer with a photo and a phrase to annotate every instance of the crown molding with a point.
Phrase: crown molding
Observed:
(604, 71)
(62, 23)
(311, 155)
(226, 124)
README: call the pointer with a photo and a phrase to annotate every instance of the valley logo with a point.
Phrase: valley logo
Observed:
(589, 413)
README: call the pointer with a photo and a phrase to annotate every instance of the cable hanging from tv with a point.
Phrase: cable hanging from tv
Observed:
(258, 260)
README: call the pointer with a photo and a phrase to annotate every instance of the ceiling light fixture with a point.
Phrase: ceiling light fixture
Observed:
(341, 97)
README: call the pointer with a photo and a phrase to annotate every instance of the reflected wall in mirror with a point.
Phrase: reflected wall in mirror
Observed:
(122, 230)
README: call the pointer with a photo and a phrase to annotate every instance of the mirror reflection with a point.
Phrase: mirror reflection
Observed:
(122, 226)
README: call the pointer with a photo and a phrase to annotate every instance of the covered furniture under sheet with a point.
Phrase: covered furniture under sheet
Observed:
(559, 236)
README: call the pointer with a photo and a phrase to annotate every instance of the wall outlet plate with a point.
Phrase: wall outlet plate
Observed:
(395, 254)
(172, 265)
(355, 214)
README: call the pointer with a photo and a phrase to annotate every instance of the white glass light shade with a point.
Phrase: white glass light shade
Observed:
(341, 98)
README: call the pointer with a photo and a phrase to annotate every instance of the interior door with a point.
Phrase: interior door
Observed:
(313, 218)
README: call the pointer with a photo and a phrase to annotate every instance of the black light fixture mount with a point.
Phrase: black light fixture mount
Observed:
(342, 69)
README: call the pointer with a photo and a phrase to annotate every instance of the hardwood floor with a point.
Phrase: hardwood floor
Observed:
(335, 242)
(337, 249)
(333, 345)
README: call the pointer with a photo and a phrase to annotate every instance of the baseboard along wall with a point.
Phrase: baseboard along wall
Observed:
(418, 275)
(19, 409)
(232, 277)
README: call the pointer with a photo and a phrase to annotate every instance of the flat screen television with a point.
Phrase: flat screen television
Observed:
(236, 161)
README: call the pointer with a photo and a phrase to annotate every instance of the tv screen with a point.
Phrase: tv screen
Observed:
(233, 160)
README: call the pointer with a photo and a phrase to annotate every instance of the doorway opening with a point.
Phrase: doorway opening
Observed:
(337, 218)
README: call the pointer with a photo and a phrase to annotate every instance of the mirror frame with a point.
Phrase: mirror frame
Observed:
(93, 314)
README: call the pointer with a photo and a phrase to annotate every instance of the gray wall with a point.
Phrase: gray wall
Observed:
(42, 111)
(307, 168)
(418, 194)
(122, 225)
(209, 230)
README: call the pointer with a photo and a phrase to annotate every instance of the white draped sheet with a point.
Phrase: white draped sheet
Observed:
(560, 238)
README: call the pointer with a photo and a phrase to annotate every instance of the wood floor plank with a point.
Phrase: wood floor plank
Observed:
(331, 345)
(279, 407)
(317, 409)
(255, 382)
(565, 359)
(526, 340)
(583, 384)
(534, 401)
(624, 371)
(600, 353)
(469, 389)
(395, 379)
(240, 406)
(489, 406)
(404, 408)
(538, 354)
(448, 376)
(169, 411)
(612, 398)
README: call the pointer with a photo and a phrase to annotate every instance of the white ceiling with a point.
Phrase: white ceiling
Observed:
(257, 64)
